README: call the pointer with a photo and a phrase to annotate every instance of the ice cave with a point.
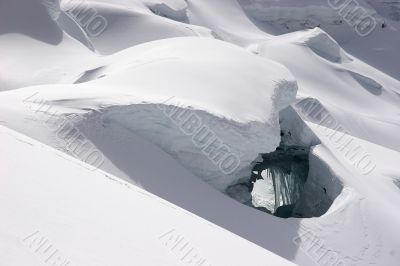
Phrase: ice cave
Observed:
(277, 182)
(288, 183)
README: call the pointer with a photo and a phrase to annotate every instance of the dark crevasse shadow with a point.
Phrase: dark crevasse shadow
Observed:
(289, 182)
(91, 74)
(367, 83)
(30, 18)
(292, 181)
(277, 182)
(145, 164)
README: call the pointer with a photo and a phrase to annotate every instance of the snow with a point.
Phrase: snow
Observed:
(132, 92)
(247, 71)
(378, 49)
(83, 213)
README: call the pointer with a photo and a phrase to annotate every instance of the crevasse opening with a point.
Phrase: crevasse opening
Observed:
(292, 181)
(277, 183)
(289, 182)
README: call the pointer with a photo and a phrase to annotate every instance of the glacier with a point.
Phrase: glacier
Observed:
(256, 131)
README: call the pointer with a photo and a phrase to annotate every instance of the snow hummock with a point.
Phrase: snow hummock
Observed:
(240, 108)
(236, 65)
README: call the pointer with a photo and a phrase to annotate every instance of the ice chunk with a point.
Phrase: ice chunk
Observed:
(263, 194)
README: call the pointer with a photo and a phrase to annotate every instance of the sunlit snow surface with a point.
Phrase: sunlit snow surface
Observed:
(255, 73)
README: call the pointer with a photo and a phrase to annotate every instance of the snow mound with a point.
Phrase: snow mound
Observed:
(123, 86)
(36, 49)
(324, 45)
(214, 122)
(128, 23)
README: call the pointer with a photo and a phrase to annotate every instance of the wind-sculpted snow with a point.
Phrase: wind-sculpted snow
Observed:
(208, 113)
(368, 29)
(167, 94)
(124, 23)
(175, 10)
(326, 47)
(346, 96)
(73, 227)
(26, 31)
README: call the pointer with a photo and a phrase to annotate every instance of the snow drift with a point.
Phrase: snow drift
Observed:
(157, 72)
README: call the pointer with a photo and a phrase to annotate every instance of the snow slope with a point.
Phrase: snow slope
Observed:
(378, 49)
(235, 69)
(90, 217)
(26, 35)
(363, 100)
